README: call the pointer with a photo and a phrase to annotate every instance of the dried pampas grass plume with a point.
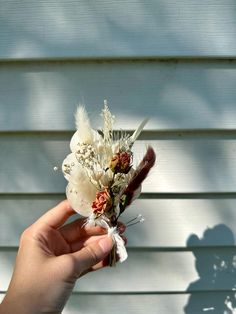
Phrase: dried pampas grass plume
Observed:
(83, 126)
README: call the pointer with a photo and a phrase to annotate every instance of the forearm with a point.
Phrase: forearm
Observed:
(21, 307)
(21, 303)
(18, 305)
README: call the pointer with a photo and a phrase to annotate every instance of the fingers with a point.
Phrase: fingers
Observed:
(78, 229)
(92, 255)
(56, 216)
(78, 245)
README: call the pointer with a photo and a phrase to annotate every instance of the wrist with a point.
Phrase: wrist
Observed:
(19, 305)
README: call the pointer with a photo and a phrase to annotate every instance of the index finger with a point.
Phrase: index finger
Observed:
(79, 229)
(56, 216)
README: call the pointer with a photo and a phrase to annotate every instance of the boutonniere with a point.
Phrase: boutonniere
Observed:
(102, 180)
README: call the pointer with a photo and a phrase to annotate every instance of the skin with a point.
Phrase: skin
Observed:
(51, 257)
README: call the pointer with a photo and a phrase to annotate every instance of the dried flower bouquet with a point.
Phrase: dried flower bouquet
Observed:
(102, 181)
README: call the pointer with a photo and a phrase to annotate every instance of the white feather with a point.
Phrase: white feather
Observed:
(83, 125)
(136, 133)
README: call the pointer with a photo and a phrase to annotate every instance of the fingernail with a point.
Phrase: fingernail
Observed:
(106, 244)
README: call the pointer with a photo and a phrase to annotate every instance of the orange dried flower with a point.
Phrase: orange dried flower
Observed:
(103, 202)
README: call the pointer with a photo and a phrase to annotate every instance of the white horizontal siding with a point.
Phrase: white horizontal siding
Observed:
(169, 223)
(194, 303)
(174, 95)
(63, 29)
(182, 259)
(152, 272)
(183, 165)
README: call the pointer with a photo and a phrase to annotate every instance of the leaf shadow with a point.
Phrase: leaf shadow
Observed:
(216, 267)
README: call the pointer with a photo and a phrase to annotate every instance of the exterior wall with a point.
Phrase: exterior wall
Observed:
(172, 61)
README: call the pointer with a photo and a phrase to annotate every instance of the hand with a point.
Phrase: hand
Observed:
(51, 257)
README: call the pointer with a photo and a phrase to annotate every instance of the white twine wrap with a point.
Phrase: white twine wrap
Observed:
(120, 244)
(114, 234)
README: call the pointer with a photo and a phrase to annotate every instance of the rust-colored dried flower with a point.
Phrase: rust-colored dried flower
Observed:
(120, 162)
(103, 202)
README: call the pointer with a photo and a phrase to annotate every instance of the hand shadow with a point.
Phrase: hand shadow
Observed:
(216, 267)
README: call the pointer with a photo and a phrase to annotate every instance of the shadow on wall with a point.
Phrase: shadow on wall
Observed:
(216, 268)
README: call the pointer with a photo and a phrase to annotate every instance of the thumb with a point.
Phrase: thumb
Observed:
(92, 254)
